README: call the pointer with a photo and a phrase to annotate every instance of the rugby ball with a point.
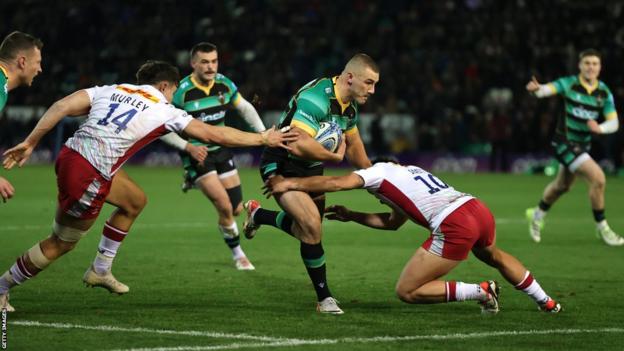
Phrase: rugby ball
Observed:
(329, 135)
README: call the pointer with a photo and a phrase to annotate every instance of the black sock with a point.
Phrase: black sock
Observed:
(280, 220)
(543, 206)
(599, 215)
(314, 259)
(232, 242)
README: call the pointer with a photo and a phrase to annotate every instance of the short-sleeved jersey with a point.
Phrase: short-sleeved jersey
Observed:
(420, 195)
(318, 102)
(123, 119)
(4, 87)
(207, 104)
(582, 103)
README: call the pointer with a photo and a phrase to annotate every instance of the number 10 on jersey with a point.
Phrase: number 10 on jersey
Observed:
(439, 185)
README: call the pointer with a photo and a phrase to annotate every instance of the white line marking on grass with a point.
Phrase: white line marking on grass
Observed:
(382, 339)
(150, 331)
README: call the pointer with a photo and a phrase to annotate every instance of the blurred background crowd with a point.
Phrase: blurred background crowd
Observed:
(457, 68)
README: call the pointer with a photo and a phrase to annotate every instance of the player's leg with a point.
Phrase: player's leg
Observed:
(66, 232)
(447, 246)
(559, 186)
(130, 200)
(227, 199)
(515, 273)
(81, 194)
(595, 177)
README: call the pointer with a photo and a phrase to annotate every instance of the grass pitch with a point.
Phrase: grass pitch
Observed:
(186, 295)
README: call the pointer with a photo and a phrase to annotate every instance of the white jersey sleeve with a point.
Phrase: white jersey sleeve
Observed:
(373, 176)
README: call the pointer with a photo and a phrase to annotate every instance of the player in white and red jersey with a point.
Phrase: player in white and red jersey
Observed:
(122, 118)
(458, 223)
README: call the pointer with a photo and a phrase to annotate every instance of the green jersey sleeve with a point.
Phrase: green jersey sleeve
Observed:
(609, 106)
(563, 84)
(4, 91)
(309, 113)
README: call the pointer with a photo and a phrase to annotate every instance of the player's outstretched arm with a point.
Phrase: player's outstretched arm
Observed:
(76, 104)
(308, 148)
(540, 90)
(231, 137)
(386, 221)
(325, 184)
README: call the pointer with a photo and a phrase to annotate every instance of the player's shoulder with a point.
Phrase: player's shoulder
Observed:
(185, 84)
(603, 86)
(318, 91)
(223, 80)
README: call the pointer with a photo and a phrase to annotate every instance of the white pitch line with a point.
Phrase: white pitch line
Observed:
(107, 328)
(456, 336)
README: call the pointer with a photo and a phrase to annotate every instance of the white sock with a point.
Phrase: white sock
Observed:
(231, 236)
(532, 288)
(107, 249)
(602, 224)
(6, 283)
(102, 263)
(539, 214)
(465, 291)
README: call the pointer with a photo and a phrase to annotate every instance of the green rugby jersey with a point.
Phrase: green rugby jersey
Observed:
(4, 87)
(582, 103)
(207, 104)
(318, 102)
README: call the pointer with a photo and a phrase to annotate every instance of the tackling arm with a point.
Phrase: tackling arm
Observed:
(227, 136)
(386, 221)
(76, 104)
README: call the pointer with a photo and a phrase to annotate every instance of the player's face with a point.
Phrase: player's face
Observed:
(590, 68)
(31, 65)
(205, 66)
(363, 85)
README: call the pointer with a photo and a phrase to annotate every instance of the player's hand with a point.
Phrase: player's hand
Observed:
(533, 85)
(6, 189)
(337, 213)
(341, 151)
(17, 155)
(593, 126)
(276, 185)
(278, 138)
(198, 153)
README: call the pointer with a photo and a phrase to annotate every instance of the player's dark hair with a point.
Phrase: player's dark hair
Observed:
(203, 47)
(385, 159)
(16, 42)
(365, 60)
(590, 52)
(152, 72)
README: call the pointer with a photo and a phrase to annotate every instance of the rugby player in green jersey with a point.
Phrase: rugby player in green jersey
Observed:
(20, 62)
(586, 99)
(332, 99)
(208, 95)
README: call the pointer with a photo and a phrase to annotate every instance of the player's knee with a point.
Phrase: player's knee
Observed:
(562, 188)
(64, 238)
(599, 182)
(408, 296)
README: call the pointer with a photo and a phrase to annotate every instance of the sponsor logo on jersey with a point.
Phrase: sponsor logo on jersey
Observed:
(212, 117)
(583, 113)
